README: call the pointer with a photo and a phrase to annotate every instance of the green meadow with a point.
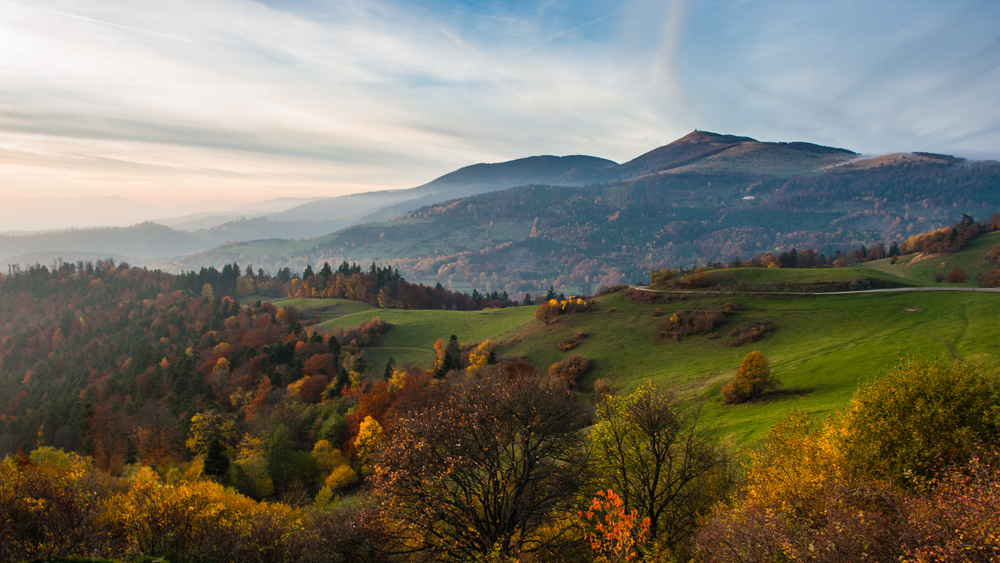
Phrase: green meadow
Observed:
(325, 309)
(796, 279)
(411, 340)
(920, 269)
(821, 349)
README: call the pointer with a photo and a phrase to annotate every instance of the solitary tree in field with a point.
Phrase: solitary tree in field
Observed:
(547, 312)
(752, 379)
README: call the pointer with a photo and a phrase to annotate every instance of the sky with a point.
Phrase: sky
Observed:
(198, 102)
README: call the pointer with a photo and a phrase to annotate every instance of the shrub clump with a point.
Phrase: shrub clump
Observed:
(567, 345)
(649, 297)
(549, 310)
(751, 332)
(572, 369)
(604, 388)
(921, 416)
(685, 323)
(990, 278)
(957, 275)
(993, 256)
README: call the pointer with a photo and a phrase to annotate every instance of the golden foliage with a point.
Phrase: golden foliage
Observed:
(369, 438)
(752, 378)
(341, 477)
(207, 425)
(479, 355)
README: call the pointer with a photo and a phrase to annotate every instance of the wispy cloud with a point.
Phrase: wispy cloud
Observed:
(238, 99)
(92, 20)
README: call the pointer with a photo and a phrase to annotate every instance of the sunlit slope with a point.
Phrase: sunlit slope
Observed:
(921, 269)
(411, 340)
(822, 347)
(781, 160)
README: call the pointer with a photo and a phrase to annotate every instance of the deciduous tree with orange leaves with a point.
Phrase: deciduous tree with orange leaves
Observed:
(612, 531)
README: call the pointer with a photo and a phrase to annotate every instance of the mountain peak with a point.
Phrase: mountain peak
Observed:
(698, 136)
(689, 148)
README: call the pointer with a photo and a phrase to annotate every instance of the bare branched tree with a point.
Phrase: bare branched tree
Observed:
(493, 468)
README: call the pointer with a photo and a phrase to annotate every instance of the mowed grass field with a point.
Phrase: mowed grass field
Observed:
(822, 348)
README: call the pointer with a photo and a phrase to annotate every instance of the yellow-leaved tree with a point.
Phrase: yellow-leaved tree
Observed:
(369, 438)
(751, 380)
(335, 470)
(207, 425)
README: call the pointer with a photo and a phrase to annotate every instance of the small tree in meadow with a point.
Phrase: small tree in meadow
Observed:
(547, 311)
(957, 275)
(751, 380)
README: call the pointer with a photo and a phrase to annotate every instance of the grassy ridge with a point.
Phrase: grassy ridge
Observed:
(920, 268)
(797, 279)
(325, 309)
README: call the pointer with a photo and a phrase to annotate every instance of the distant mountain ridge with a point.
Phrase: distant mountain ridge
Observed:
(701, 177)
(707, 197)
(576, 170)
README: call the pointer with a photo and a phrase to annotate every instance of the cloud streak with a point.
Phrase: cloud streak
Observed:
(92, 20)
(243, 100)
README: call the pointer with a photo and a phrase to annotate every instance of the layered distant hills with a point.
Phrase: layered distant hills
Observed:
(579, 221)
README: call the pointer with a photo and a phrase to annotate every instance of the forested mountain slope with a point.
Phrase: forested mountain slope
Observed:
(578, 238)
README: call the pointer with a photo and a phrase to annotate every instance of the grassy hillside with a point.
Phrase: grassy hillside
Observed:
(794, 279)
(822, 347)
(412, 338)
(920, 269)
(325, 309)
